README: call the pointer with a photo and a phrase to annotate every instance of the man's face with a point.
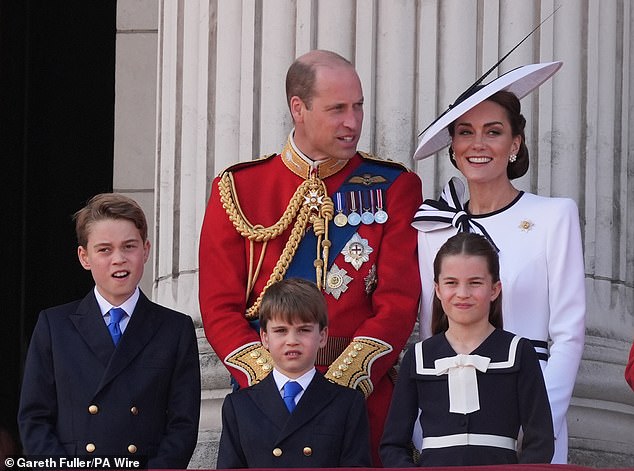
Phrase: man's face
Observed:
(332, 126)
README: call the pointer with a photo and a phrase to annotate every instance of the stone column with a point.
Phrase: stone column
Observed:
(184, 167)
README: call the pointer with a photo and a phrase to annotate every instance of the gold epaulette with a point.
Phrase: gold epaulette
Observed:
(249, 163)
(252, 359)
(352, 368)
(392, 163)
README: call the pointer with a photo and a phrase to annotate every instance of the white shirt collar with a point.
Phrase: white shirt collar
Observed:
(304, 380)
(128, 305)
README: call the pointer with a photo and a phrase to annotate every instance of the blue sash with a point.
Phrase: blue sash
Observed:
(302, 264)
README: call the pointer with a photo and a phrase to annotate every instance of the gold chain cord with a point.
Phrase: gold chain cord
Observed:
(309, 204)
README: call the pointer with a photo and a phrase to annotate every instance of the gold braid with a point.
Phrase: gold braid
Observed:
(240, 222)
(309, 204)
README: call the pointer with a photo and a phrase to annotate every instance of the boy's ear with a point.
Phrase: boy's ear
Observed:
(146, 249)
(82, 254)
(323, 337)
(264, 338)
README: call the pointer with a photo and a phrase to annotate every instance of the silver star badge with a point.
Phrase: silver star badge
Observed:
(337, 281)
(357, 251)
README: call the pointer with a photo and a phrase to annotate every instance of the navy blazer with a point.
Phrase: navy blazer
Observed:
(82, 397)
(328, 428)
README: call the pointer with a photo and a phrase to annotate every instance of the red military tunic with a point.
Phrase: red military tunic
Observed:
(372, 309)
(629, 369)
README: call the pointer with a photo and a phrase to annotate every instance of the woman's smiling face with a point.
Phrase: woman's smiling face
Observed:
(482, 143)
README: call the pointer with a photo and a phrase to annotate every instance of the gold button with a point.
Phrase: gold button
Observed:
(277, 452)
(132, 449)
(93, 409)
(134, 410)
(308, 451)
(90, 447)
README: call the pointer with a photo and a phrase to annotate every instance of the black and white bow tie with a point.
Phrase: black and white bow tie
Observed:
(447, 211)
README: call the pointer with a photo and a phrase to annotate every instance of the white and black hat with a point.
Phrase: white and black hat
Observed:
(520, 81)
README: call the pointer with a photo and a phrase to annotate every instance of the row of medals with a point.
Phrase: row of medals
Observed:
(359, 206)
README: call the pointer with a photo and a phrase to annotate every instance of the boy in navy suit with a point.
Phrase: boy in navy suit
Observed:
(114, 374)
(294, 417)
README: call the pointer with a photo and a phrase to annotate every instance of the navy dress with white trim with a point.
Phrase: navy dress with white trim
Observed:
(510, 395)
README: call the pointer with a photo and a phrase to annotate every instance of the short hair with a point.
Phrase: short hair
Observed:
(301, 75)
(108, 206)
(467, 243)
(512, 107)
(293, 300)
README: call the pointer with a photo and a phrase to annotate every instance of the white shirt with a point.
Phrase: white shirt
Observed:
(128, 306)
(304, 380)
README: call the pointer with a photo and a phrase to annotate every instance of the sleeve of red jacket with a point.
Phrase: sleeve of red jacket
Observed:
(629, 369)
(222, 286)
(395, 299)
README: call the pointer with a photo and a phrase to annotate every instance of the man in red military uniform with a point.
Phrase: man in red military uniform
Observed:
(629, 369)
(319, 210)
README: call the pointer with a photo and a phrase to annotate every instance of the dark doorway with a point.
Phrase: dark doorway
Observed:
(56, 137)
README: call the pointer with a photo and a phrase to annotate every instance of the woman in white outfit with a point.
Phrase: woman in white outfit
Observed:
(538, 238)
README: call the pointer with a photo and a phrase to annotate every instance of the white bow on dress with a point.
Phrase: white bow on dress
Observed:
(463, 382)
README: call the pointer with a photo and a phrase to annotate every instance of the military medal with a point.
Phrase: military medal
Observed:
(380, 215)
(357, 251)
(367, 217)
(354, 219)
(337, 281)
(340, 219)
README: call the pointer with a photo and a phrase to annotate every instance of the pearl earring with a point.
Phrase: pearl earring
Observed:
(512, 158)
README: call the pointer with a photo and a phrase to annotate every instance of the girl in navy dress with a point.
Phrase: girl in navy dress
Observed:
(476, 386)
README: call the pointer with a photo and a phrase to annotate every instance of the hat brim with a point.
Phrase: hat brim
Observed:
(520, 81)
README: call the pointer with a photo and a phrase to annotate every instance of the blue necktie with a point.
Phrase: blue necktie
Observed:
(291, 389)
(116, 314)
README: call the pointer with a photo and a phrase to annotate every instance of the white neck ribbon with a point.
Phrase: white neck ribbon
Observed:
(463, 382)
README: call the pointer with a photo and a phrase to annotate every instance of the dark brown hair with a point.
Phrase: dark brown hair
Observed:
(108, 206)
(294, 300)
(467, 243)
(511, 105)
(301, 75)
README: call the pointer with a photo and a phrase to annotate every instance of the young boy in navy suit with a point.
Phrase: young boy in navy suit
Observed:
(114, 375)
(318, 424)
